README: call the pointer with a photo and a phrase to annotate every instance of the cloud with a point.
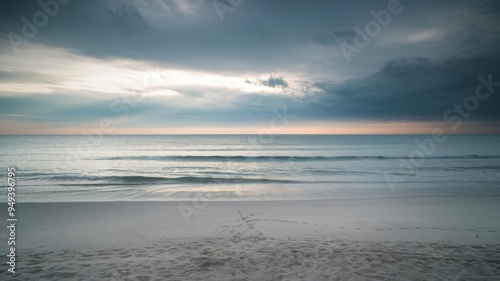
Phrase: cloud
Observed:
(93, 51)
(409, 88)
(272, 81)
(9, 75)
(491, 7)
(334, 37)
(126, 18)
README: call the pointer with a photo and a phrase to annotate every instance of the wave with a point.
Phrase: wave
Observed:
(461, 168)
(137, 180)
(211, 158)
(239, 149)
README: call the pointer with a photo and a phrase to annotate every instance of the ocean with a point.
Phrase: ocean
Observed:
(247, 167)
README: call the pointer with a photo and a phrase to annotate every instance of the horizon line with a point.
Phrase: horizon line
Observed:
(223, 134)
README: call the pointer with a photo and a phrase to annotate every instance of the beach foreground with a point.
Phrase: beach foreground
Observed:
(426, 238)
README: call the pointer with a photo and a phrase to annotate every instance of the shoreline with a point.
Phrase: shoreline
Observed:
(272, 200)
(253, 193)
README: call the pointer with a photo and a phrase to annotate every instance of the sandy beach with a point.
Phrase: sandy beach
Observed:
(426, 238)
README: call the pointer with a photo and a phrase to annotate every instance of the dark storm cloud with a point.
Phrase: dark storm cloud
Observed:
(257, 35)
(412, 88)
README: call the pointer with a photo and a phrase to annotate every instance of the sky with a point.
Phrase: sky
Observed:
(249, 66)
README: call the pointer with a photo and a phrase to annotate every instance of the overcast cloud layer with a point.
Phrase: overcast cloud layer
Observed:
(90, 60)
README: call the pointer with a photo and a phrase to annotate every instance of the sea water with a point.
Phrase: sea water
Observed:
(248, 167)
